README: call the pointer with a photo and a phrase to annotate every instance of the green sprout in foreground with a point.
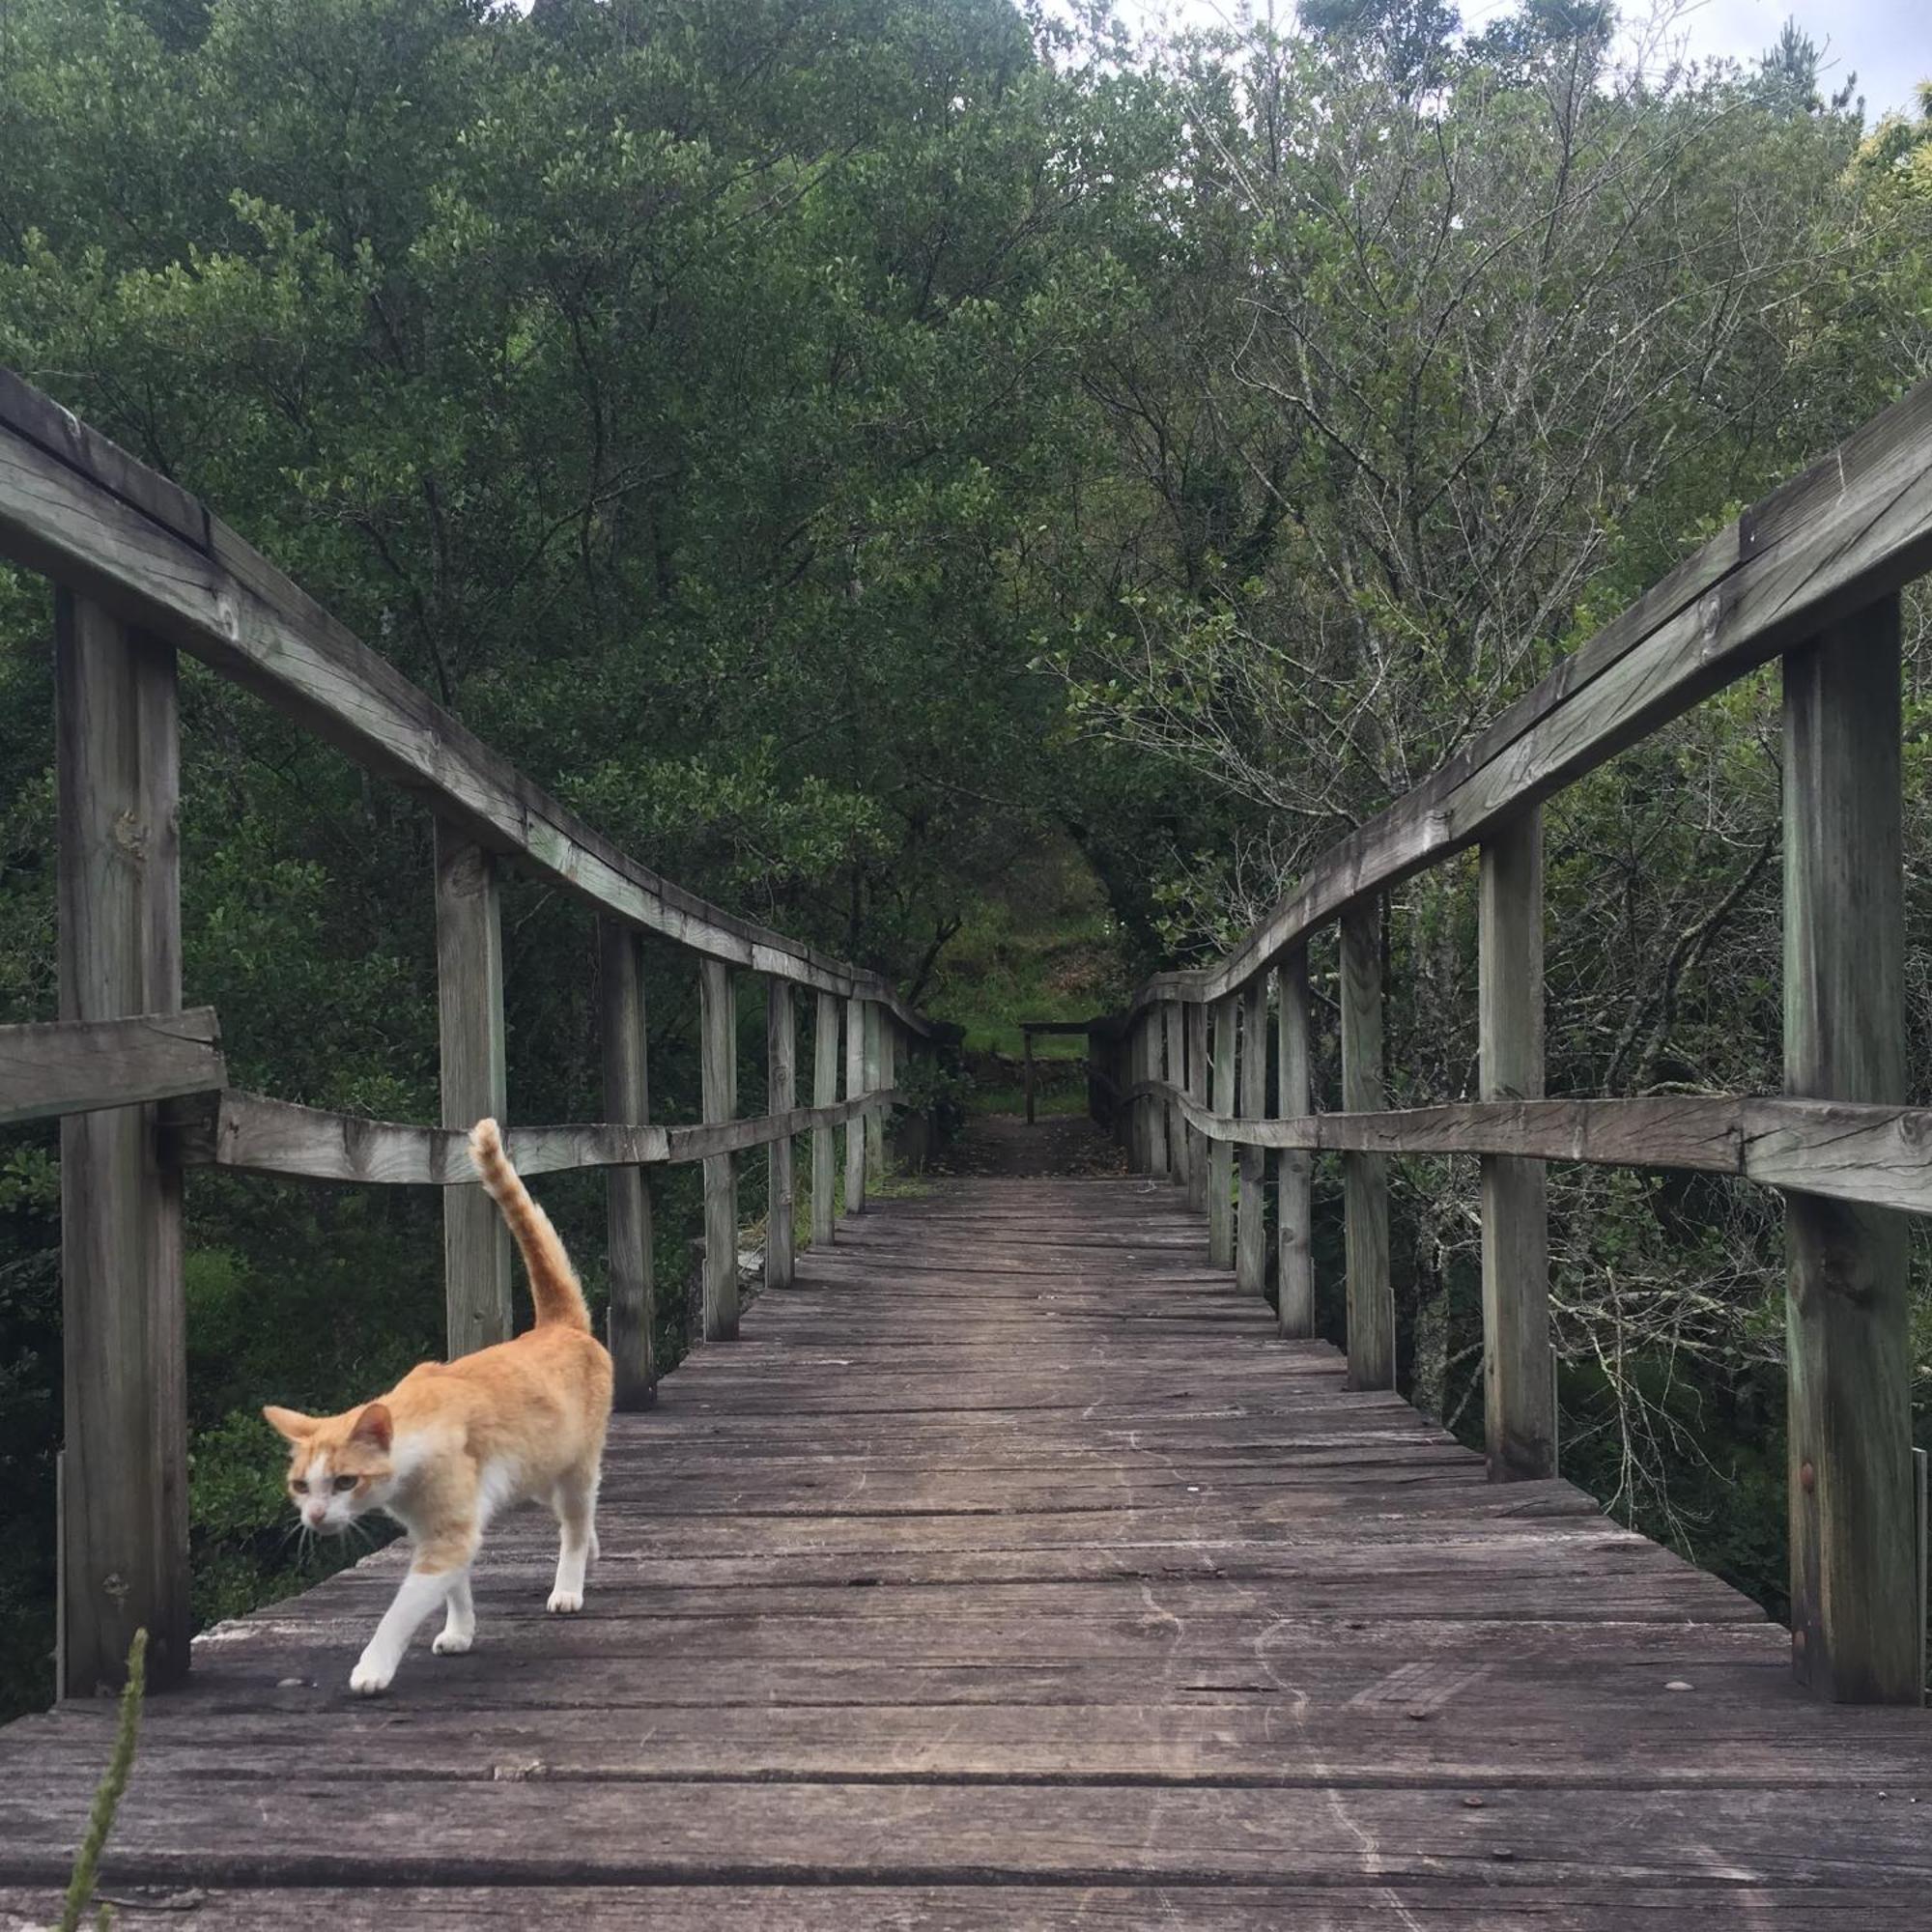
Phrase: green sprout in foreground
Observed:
(107, 1796)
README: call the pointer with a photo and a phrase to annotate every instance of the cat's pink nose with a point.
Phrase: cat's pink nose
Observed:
(315, 1513)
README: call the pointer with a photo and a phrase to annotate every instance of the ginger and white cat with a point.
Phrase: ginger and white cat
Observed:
(453, 1443)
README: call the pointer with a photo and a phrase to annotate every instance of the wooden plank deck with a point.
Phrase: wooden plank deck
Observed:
(1009, 1573)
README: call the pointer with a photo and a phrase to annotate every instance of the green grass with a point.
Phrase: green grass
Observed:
(989, 1100)
(1044, 947)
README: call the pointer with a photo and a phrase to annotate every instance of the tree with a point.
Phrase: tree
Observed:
(1788, 73)
(1408, 39)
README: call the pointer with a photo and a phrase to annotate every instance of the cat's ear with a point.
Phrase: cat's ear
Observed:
(298, 1427)
(373, 1425)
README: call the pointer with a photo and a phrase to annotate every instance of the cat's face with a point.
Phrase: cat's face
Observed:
(339, 1465)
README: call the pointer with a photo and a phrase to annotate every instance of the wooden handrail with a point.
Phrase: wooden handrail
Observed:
(74, 1066)
(1882, 1156)
(85, 513)
(257, 1135)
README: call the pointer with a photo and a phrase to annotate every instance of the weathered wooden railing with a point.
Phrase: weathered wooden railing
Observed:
(1812, 576)
(142, 570)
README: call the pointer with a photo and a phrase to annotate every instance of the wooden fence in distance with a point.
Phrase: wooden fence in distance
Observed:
(142, 571)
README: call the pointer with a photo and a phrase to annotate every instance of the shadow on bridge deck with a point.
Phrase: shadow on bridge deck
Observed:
(1010, 1573)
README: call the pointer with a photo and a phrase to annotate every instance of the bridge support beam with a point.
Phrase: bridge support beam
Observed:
(854, 1128)
(875, 1066)
(1221, 1154)
(1855, 1609)
(1250, 1221)
(780, 1096)
(824, 1094)
(627, 1097)
(718, 1068)
(1365, 1175)
(475, 1083)
(1294, 1168)
(1153, 1062)
(1180, 1148)
(1518, 1387)
(124, 1551)
(1201, 1157)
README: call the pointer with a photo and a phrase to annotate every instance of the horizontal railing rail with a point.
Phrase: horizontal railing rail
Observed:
(1191, 1078)
(77, 1066)
(256, 1135)
(1882, 1156)
(85, 514)
(141, 570)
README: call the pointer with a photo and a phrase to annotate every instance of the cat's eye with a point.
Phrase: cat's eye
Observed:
(300, 1489)
(343, 1483)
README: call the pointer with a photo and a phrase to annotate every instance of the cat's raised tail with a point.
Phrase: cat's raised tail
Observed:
(554, 1284)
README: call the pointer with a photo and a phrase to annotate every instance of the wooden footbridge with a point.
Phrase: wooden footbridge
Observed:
(1019, 1560)
(1012, 1570)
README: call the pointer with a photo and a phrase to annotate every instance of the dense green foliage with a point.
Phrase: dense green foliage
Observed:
(852, 448)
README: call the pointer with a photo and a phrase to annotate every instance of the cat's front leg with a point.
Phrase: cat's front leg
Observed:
(459, 1627)
(434, 1573)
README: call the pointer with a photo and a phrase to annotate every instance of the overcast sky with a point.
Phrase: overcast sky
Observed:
(1887, 43)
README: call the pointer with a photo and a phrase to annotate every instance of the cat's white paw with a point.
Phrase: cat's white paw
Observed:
(452, 1643)
(370, 1679)
(565, 1603)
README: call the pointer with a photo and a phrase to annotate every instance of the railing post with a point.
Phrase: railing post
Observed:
(1221, 1154)
(1179, 1136)
(1201, 1158)
(1145, 1062)
(855, 1085)
(1294, 1167)
(1365, 1175)
(780, 1096)
(470, 1010)
(718, 1023)
(1520, 1393)
(875, 1125)
(1854, 1599)
(627, 1097)
(824, 1094)
(1026, 1076)
(1160, 1154)
(123, 1549)
(1250, 1224)
(890, 1047)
